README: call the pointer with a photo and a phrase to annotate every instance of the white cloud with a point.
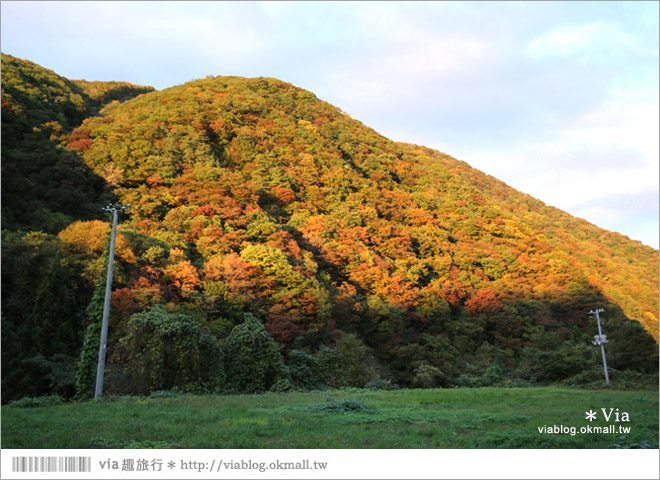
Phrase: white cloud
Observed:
(621, 122)
(591, 164)
(599, 38)
(399, 57)
(600, 215)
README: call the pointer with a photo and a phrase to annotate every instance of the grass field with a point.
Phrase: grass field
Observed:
(452, 418)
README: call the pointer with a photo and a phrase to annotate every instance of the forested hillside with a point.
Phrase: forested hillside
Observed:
(259, 205)
(44, 186)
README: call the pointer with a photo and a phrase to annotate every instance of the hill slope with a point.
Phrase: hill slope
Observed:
(44, 187)
(255, 196)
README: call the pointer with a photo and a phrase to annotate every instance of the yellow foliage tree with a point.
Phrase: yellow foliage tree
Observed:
(88, 238)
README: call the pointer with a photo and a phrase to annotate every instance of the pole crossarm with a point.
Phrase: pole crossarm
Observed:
(114, 207)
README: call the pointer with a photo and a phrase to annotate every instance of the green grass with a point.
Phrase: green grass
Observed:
(455, 418)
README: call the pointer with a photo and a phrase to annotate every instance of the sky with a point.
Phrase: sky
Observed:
(557, 99)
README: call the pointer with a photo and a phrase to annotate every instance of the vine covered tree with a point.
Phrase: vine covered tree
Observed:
(163, 351)
(254, 362)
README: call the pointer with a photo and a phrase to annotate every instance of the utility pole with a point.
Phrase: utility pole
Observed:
(106, 305)
(601, 340)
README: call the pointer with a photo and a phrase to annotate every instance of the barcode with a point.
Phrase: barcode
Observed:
(51, 464)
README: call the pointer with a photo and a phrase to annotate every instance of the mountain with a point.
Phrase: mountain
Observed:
(254, 196)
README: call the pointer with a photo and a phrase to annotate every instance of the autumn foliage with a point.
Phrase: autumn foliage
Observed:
(255, 197)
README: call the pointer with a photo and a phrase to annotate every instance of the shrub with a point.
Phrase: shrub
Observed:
(514, 383)
(58, 370)
(492, 376)
(427, 376)
(175, 392)
(473, 376)
(281, 385)
(594, 378)
(381, 384)
(31, 402)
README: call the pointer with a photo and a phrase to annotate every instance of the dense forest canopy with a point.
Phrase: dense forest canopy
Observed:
(365, 259)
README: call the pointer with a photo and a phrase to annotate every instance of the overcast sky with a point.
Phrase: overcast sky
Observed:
(557, 99)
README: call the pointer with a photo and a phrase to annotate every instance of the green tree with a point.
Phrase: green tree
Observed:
(51, 335)
(254, 362)
(302, 368)
(330, 367)
(53, 324)
(359, 363)
(550, 358)
(27, 259)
